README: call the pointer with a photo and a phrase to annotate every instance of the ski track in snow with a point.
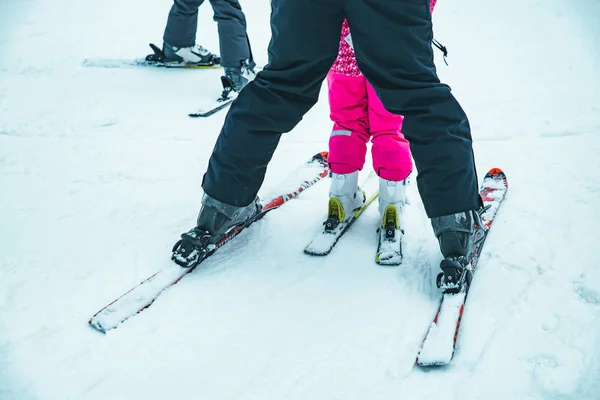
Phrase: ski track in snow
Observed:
(100, 172)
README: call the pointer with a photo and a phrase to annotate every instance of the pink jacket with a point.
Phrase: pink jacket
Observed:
(345, 64)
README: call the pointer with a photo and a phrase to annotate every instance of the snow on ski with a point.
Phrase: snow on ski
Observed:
(143, 295)
(325, 240)
(389, 246)
(440, 342)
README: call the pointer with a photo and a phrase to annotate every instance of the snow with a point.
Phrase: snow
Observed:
(100, 172)
(438, 345)
(390, 251)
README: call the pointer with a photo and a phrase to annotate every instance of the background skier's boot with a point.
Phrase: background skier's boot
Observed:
(239, 76)
(195, 54)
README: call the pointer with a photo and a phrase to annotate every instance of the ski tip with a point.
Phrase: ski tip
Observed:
(322, 156)
(496, 171)
(498, 175)
(97, 325)
(316, 252)
(430, 365)
(388, 261)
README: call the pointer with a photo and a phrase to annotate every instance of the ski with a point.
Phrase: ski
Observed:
(156, 59)
(140, 62)
(326, 239)
(144, 294)
(218, 105)
(440, 342)
(389, 246)
(228, 95)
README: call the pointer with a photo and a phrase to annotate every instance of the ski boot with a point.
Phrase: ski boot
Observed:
(345, 197)
(194, 55)
(236, 78)
(392, 197)
(215, 220)
(458, 236)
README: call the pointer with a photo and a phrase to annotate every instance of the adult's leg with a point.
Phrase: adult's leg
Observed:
(392, 41)
(304, 44)
(182, 23)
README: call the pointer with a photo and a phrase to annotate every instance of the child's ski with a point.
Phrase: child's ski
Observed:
(325, 240)
(389, 245)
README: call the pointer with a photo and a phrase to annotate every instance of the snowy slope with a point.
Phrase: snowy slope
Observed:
(100, 172)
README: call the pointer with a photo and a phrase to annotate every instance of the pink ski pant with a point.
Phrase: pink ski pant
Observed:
(358, 116)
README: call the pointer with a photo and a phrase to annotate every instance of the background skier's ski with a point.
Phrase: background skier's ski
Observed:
(157, 59)
(140, 62)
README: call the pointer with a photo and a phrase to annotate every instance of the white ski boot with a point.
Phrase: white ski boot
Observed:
(392, 197)
(345, 197)
(193, 55)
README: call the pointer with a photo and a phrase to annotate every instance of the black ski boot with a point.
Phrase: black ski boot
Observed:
(239, 76)
(458, 235)
(215, 220)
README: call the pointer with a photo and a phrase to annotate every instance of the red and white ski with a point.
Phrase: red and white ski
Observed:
(439, 344)
(143, 295)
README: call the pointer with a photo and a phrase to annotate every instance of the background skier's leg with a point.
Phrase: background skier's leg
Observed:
(233, 39)
(182, 23)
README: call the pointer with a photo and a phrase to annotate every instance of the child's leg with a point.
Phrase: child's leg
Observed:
(348, 105)
(391, 152)
(392, 162)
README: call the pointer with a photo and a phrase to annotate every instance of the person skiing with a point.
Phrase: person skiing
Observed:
(392, 43)
(358, 116)
(179, 40)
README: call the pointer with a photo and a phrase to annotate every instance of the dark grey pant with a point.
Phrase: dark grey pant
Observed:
(392, 41)
(233, 39)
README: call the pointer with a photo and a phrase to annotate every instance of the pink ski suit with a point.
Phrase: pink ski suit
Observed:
(358, 115)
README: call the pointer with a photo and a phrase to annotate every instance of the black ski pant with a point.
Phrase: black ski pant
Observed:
(182, 25)
(392, 42)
